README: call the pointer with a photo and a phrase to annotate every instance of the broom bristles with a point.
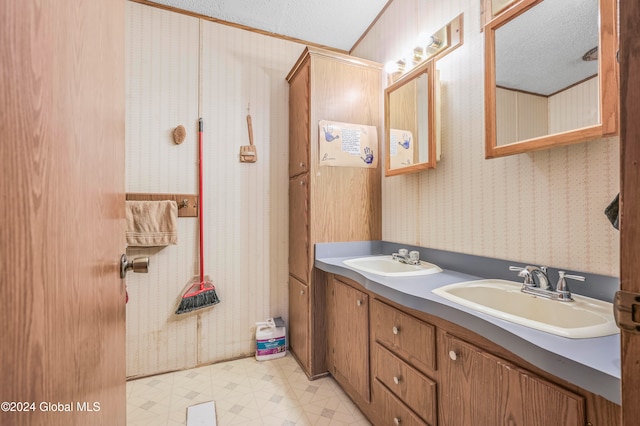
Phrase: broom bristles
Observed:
(202, 300)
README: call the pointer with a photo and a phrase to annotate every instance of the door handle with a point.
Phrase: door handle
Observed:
(139, 265)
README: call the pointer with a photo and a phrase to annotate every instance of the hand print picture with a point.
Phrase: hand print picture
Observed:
(348, 145)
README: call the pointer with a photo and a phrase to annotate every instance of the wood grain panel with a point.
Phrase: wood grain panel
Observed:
(299, 321)
(335, 203)
(299, 145)
(162, 92)
(630, 202)
(410, 338)
(299, 244)
(545, 403)
(62, 171)
(351, 337)
(391, 410)
(179, 68)
(469, 387)
(334, 99)
(247, 217)
(481, 389)
(415, 389)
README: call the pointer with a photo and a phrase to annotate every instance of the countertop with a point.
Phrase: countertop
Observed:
(593, 363)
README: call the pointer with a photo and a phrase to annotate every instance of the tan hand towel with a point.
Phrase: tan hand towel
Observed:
(152, 223)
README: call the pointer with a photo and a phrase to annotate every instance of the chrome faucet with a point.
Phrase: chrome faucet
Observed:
(530, 273)
(543, 287)
(406, 256)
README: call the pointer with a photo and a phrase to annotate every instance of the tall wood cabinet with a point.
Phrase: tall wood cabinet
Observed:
(326, 204)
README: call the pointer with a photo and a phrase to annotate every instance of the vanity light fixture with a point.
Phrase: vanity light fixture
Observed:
(395, 68)
(425, 49)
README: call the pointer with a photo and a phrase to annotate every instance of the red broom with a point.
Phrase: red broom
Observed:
(202, 293)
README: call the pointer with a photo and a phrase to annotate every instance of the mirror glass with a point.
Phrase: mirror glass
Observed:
(408, 122)
(410, 109)
(544, 78)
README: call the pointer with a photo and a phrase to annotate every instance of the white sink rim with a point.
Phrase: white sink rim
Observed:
(366, 264)
(599, 308)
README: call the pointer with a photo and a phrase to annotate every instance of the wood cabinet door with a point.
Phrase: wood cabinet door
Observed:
(349, 337)
(299, 321)
(299, 228)
(478, 389)
(299, 117)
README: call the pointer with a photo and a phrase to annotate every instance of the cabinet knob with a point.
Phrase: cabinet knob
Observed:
(359, 302)
(301, 292)
(396, 380)
(453, 355)
(301, 183)
(302, 166)
(397, 421)
(395, 330)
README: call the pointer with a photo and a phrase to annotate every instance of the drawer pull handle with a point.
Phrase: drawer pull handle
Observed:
(397, 421)
(453, 355)
(359, 302)
(395, 330)
(396, 380)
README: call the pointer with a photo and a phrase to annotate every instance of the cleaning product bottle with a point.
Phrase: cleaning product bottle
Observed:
(271, 339)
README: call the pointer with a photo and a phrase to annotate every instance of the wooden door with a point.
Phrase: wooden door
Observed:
(62, 232)
(630, 197)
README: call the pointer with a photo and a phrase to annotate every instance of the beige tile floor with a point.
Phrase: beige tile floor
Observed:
(246, 392)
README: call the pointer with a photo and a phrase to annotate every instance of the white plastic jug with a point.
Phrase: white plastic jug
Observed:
(271, 341)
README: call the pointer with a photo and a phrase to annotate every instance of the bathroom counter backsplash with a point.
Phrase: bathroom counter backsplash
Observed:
(591, 363)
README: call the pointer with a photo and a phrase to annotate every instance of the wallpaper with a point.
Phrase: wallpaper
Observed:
(542, 208)
(180, 68)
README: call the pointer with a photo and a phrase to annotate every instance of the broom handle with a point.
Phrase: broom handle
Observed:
(201, 210)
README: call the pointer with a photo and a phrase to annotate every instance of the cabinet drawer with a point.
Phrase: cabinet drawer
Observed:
(391, 410)
(408, 337)
(413, 388)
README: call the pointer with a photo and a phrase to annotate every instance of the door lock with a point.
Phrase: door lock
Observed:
(139, 265)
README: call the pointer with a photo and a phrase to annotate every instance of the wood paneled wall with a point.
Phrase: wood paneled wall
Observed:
(178, 69)
(543, 208)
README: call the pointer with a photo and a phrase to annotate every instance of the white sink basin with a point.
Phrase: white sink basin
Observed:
(388, 267)
(584, 317)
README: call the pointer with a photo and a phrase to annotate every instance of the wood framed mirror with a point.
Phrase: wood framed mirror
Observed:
(409, 106)
(550, 75)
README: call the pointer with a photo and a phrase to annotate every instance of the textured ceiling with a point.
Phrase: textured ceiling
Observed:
(332, 23)
(541, 50)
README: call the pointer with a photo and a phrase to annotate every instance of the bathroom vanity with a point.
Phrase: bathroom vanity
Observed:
(407, 356)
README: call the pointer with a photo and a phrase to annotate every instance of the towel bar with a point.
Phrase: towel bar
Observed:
(187, 203)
